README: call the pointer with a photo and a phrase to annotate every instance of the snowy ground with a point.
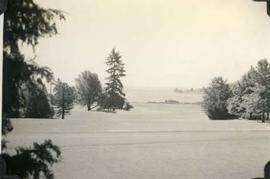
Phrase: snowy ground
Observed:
(151, 141)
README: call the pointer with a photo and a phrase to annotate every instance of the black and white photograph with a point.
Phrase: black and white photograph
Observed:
(135, 89)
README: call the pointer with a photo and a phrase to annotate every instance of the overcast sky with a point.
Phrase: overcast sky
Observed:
(164, 43)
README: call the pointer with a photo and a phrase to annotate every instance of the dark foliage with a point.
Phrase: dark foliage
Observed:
(111, 102)
(215, 99)
(24, 22)
(267, 170)
(21, 78)
(33, 162)
(37, 104)
(6, 126)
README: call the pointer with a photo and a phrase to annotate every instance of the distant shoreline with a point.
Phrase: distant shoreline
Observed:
(166, 102)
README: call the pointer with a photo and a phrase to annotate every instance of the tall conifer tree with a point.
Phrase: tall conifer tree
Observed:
(115, 97)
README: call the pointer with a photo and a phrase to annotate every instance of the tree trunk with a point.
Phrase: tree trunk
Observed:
(250, 116)
(88, 107)
(263, 117)
(89, 104)
(63, 103)
(63, 114)
(267, 116)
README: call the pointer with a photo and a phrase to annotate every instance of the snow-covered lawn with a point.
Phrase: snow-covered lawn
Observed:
(151, 141)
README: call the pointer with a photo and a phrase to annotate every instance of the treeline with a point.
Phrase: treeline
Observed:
(247, 98)
(88, 90)
(91, 94)
(37, 103)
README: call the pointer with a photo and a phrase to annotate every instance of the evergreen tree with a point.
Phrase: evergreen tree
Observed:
(33, 162)
(215, 99)
(37, 103)
(114, 97)
(64, 98)
(26, 22)
(88, 89)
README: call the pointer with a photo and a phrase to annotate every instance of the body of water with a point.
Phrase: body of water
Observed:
(160, 95)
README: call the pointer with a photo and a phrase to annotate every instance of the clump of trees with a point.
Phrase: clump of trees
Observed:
(89, 89)
(247, 98)
(63, 98)
(112, 97)
(252, 93)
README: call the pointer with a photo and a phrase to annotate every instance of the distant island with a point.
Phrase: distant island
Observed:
(189, 90)
(174, 102)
